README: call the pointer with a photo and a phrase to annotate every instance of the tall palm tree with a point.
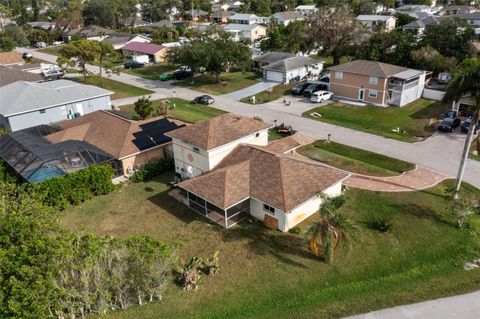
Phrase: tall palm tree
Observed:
(465, 82)
(332, 229)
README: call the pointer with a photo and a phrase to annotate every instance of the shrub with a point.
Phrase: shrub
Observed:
(381, 224)
(7, 174)
(151, 170)
(295, 230)
(144, 107)
(190, 276)
(212, 265)
(77, 187)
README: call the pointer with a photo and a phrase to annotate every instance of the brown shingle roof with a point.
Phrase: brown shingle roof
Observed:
(218, 131)
(9, 75)
(9, 58)
(254, 171)
(366, 67)
(289, 143)
(110, 132)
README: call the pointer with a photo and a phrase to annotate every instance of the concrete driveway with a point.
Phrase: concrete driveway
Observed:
(251, 90)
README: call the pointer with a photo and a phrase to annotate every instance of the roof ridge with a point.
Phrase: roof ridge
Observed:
(209, 133)
(284, 198)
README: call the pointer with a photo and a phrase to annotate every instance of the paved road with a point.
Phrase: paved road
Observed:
(251, 90)
(441, 152)
(459, 307)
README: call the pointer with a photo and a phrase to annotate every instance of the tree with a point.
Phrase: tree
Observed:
(403, 19)
(332, 229)
(465, 82)
(144, 107)
(99, 12)
(427, 58)
(452, 37)
(291, 38)
(334, 31)
(82, 52)
(74, 13)
(165, 34)
(105, 51)
(7, 44)
(155, 10)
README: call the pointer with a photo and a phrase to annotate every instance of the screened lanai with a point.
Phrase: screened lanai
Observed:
(37, 159)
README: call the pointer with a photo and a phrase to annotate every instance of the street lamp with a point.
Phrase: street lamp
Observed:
(174, 93)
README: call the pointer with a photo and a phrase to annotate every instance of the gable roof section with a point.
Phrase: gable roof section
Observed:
(278, 180)
(23, 96)
(371, 68)
(91, 31)
(373, 17)
(287, 15)
(291, 63)
(9, 58)
(271, 57)
(218, 131)
(470, 16)
(114, 134)
(147, 48)
(241, 27)
(244, 16)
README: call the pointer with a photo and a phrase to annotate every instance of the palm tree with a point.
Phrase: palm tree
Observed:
(332, 229)
(465, 82)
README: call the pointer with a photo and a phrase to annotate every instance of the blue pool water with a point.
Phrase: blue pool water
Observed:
(43, 173)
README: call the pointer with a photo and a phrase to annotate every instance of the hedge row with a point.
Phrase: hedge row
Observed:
(151, 170)
(77, 187)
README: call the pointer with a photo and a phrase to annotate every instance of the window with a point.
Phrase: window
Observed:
(42, 111)
(269, 209)
(339, 75)
(257, 135)
(372, 93)
(373, 79)
(196, 149)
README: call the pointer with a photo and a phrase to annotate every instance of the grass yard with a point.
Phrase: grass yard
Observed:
(474, 152)
(329, 59)
(265, 96)
(354, 159)
(121, 90)
(53, 50)
(231, 81)
(267, 274)
(153, 71)
(184, 110)
(412, 118)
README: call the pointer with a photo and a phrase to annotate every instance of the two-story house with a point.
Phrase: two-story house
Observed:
(250, 32)
(244, 18)
(374, 23)
(286, 17)
(376, 83)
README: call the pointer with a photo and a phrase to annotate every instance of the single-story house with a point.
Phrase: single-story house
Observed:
(292, 68)
(197, 15)
(377, 22)
(307, 10)
(251, 32)
(156, 53)
(166, 23)
(43, 25)
(221, 17)
(11, 58)
(376, 83)
(118, 40)
(10, 75)
(134, 22)
(260, 61)
(265, 182)
(244, 18)
(200, 147)
(286, 17)
(90, 32)
(27, 104)
(458, 9)
(418, 26)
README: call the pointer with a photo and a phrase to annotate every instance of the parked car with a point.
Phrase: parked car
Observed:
(449, 114)
(299, 88)
(40, 45)
(449, 124)
(325, 78)
(133, 65)
(57, 42)
(27, 55)
(321, 96)
(165, 76)
(182, 74)
(204, 99)
(184, 68)
(314, 88)
(466, 126)
(53, 74)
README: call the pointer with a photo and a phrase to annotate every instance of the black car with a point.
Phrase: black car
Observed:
(466, 126)
(449, 124)
(314, 88)
(133, 65)
(298, 89)
(204, 99)
(182, 74)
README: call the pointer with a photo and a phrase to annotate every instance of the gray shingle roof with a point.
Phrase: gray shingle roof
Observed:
(287, 15)
(292, 63)
(271, 57)
(23, 97)
(10, 75)
(241, 27)
(372, 17)
(470, 16)
(372, 68)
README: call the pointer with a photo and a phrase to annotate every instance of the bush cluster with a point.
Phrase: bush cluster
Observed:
(77, 187)
(151, 170)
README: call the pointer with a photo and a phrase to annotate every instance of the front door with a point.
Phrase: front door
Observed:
(270, 222)
(361, 94)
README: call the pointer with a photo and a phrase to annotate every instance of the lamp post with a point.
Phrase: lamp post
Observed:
(174, 93)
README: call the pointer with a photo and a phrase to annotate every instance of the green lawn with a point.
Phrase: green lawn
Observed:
(153, 71)
(267, 274)
(121, 90)
(412, 118)
(354, 159)
(184, 110)
(474, 152)
(231, 81)
(329, 59)
(53, 50)
(265, 96)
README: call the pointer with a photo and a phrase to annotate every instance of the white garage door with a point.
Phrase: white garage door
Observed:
(275, 76)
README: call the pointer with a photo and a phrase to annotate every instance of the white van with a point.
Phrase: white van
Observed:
(320, 96)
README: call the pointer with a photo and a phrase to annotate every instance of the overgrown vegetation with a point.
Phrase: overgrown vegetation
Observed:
(151, 170)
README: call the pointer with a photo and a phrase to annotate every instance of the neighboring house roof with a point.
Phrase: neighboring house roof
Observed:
(241, 27)
(367, 17)
(222, 14)
(244, 16)
(41, 24)
(134, 22)
(272, 177)
(287, 15)
(196, 13)
(218, 131)
(23, 96)
(422, 23)
(10, 75)
(147, 48)
(91, 31)
(306, 7)
(459, 8)
(117, 38)
(9, 58)
(366, 67)
(114, 134)
(271, 57)
(164, 23)
(470, 16)
(292, 63)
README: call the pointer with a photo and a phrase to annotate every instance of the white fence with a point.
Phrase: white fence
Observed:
(433, 94)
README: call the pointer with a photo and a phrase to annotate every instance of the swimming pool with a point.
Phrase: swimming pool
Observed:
(43, 173)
